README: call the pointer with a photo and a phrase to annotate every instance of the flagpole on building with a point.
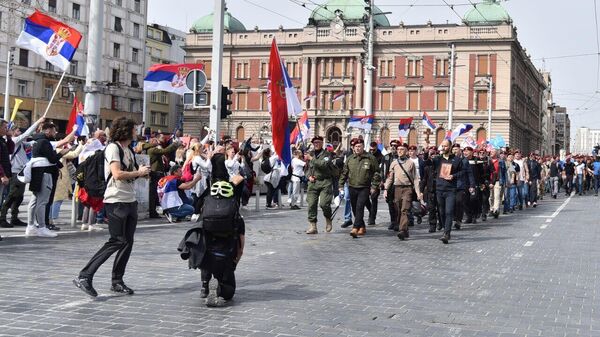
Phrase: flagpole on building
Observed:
(54, 94)
(7, 86)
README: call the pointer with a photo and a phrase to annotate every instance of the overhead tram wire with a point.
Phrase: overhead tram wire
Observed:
(273, 12)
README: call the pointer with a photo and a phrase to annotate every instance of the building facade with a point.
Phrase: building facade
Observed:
(585, 140)
(164, 45)
(563, 130)
(33, 79)
(412, 74)
(548, 127)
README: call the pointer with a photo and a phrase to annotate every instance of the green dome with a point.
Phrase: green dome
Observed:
(488, 12)
(205, 24)
(352, 12)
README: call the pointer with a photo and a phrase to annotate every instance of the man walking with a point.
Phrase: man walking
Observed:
(120, 204)
(497, 169)
(320, 174)
(389, 199)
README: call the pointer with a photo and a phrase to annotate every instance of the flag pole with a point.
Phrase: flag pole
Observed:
(54, 93)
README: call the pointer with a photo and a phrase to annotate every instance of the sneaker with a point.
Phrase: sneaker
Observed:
(31, 231)
(5, 224)
(445, 238)
(169, 218)
(121, 288)
(195, 217)
(18, 222)
(86, 286)
(92, 228)
(271, 206)
(295, 207)
(84, 227)
(204, 290)
(289, 201)
(346, 224)
(44, 232)
(212, 300)
(53, 227)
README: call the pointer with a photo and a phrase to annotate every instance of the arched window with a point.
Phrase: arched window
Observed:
(412, 136)
(440, 134)
(334, 136)
(240, 134)
(481, 135)
(385, 136)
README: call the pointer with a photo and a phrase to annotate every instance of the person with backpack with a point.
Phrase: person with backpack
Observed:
(119, 174)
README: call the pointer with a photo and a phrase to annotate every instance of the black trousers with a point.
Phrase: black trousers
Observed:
(391, 205)
(271, 193)
(223, 269)
(14, 198)
(373, 207)
(51, 200)
(153, 194)
(122, 221)
(358, 200)
(432, 208)
(460, 206)
(485, 200)
(473, 204)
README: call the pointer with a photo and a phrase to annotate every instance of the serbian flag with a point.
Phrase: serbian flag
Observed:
(277, 96)
(428, 122)
(460, 130)
(77, 118)
(53, 40)
(302, 130)
(340, 95)
(404, 127)
(310, 96)
(169, 77)
(361, 122)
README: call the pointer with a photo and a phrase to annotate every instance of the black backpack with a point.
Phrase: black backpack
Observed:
(219, 215)
(90, 173)
(265, 166)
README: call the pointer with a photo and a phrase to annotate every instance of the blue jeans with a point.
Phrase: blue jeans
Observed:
(580, 183)
(522, 192)
(181, 211)
(510, 197)
(446, 200)
(596, 183)
(347, 206)
(55, 210)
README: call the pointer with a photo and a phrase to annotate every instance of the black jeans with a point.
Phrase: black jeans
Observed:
(373, 209)
(223, 269)
(51, 200)
(446, 201)
(391, 205)
(153, 194)
(14, 198)
(473, 206)
(432, 208)
(358, 200)
(122, 221)
(460, 203)
(271, 193)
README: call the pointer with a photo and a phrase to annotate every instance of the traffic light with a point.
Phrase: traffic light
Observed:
(225, 101)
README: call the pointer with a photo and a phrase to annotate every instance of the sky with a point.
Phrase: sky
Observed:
(548, 29)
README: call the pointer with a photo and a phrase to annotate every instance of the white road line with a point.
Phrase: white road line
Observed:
(564, 204)
(518, 255)
(541, 216)
(535, 235)
(72, 304)
(543, 226)
(548, 220)
(528, 244)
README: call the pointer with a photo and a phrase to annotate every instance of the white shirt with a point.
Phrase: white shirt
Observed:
(579, 169)
(416, 162)
(521, 173)
(297, 169)
(233, 166)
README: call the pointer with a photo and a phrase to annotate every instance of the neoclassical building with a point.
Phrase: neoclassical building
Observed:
(412, 74)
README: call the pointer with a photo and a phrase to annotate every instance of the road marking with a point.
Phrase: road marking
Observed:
(528, 244)
(541, 216)
(479, 251)
(543, 226)
(266, 253)
(564, 204)
(536, 235)
(548, 220)
(72, 304)
(518, 255)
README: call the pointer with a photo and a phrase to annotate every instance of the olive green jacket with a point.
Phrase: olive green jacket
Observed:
(321, 166)
(361, 171)
(156, 153)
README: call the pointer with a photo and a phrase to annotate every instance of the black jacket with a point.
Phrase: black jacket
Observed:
(193, 246)
(43, 148)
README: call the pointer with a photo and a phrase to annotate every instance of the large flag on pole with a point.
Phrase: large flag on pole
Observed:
(77, 118)
(428, 122)
(460, 130)
(279, 89)
(55, 41)
(169, 77)
(302, 129)
(361, 122)
(404, 127)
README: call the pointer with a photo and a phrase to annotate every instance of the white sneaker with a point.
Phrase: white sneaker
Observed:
(31, 231)
(289, 201)
(44, 232)
(94, 228)
(195, 217)
(169, 217)
(84, 227)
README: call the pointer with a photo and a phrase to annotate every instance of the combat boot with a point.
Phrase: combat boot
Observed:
(312, 229)
(354, 232)
(328, 225)
(362, 231)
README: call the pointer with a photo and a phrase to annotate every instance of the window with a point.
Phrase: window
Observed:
(52, 6)
(137, 6)
(386, 100)
(132, 105)
(159, 97)
(412, 137)
(48, 88)
(386, 68)
(240, 134)
(481, 135)
(413, 100)
(293, 70)
(49, 66)
(159, 118)
(23, 57)
(482, 65)
(385, 136)
(76, 11)
(119, 2)
(114, 102)
(73, 68)
(136, 30)
(241, 100)
(158, 35)
(116, 50)
(264, 70)
(22, 88)
(118, 27)
(440, 135)
(414, 68)
(481, 100)
(263, 101)
(0, 20)
(149, 33)
(441, 100)
(207, 68)
(242, 70)
(134, 81)
(337, 68)
(441, 67)
(134, 54)
(115, 75)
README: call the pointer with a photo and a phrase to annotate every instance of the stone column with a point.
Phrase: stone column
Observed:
(313, 82)
(330, 68)
(359, 85)
(304, 90)
(350, 100)
(322, 68)
(344, 75)
(352, 71)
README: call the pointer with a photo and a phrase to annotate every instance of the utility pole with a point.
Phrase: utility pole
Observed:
(217, 65)
(7, 86)
(369, 66)
(94, 62)
(452, 68)
(489, 102)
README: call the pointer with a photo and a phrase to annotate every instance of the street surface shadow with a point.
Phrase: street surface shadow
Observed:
(290, 292)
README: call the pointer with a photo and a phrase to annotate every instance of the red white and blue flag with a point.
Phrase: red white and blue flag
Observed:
(460, 130)
(283, 102)
(302, 130)
(428, 122)
(169, 77)
(78, 118)
(55, 41)
(310, 96)
(361, 122)
(404, 127)
(340, 95)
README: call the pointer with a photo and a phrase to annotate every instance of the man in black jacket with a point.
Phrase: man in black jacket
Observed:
(387, 162)
(535, 174)
(372, 205)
